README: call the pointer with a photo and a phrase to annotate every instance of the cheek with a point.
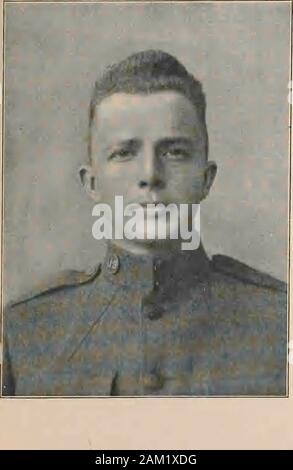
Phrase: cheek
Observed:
(127, 170)
(117, 179)
(186, 182)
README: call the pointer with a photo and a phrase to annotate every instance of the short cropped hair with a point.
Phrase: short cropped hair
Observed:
(146, 72)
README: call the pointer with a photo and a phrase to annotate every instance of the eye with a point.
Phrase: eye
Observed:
(175, 154)
(121, 155)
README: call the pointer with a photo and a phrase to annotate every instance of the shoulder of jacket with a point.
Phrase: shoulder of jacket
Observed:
(246, 274)
(53, 283)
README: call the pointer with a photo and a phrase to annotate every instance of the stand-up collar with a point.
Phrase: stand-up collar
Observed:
(159, 272)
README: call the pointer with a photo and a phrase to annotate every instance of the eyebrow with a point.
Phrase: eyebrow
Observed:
(135, 143)
(169, 141)
(132, 142)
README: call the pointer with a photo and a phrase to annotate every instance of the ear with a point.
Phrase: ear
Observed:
(209, 174)
(89, 181)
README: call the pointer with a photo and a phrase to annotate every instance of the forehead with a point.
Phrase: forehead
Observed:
(155, 116)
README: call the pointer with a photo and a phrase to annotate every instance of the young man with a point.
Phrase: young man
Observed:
(153, 318)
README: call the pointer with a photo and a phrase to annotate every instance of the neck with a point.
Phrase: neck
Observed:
(149, 249)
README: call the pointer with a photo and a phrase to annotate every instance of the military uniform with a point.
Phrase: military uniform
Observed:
(182, 324)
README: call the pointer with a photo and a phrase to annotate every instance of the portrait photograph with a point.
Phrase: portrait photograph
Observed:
(146, 184)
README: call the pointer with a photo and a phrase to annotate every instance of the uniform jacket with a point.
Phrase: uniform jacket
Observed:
(183, 324)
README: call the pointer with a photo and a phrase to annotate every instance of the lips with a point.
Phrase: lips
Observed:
(154, 210)
(153, 204)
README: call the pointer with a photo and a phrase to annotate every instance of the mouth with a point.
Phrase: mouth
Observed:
(151, 204)
(154, 210)
(150, 208)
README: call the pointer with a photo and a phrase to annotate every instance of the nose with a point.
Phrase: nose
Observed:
(152, 174)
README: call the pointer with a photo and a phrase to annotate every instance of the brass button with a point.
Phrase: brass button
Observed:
(157, 264)
(152, 381)
(113, 264)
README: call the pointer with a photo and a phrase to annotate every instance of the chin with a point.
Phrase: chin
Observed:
(150, 236)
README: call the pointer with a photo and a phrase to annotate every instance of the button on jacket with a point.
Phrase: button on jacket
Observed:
(182, 324)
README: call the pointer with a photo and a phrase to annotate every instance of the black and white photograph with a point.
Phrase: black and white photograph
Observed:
(146, 163)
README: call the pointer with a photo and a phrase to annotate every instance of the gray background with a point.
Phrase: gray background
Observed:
(53, 54)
